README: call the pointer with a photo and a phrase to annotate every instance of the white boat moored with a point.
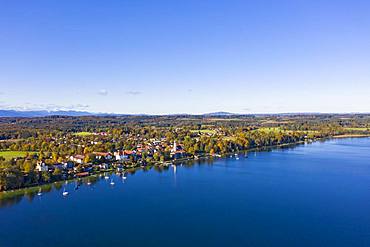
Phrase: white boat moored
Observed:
(65, 193)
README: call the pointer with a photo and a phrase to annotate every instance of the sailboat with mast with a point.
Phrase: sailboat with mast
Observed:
(65, 192)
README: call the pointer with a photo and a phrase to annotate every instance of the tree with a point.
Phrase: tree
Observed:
(57, 172)
(28, 166)
(89, 158)
(156, 156)
(45, 176)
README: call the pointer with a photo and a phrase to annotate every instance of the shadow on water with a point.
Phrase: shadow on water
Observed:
(10, 198)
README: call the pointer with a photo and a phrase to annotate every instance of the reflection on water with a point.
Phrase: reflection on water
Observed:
(10, 198)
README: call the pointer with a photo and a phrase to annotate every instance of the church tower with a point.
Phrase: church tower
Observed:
(174, 149)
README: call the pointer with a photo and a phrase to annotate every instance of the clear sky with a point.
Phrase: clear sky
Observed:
(185, 56)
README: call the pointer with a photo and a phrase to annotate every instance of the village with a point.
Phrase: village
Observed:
(41, 151)
(120, 160)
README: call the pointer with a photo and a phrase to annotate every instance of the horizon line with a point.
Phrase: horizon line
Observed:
(220, 113)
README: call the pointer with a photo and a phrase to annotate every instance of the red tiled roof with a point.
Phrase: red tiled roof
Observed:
(82, 174)
(79, 156)
(101, 153)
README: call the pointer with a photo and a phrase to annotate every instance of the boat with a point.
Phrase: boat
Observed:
(111, 182)
(76, 186)
(106, 177)
(39, 193)
(65, 193)
(88, 183)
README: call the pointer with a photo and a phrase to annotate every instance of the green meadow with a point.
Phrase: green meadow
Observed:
(14, 154)
(358, 129)
(83, 133)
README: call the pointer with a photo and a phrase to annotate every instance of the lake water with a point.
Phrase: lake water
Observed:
(309, 195)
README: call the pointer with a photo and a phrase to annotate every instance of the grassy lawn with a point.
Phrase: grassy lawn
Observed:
(83, 133)
(14, 154)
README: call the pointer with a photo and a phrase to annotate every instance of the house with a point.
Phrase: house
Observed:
(101, 134)
(41, 167)
(120, 155)
(119, 167)
(103, 155)
(178, 154)
(58, 166)
(156, 143)
(68, 165)
(104, 166)
(123, 155)
(78, 158)
(82, 174)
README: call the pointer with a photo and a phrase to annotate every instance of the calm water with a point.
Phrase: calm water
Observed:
(309, 195)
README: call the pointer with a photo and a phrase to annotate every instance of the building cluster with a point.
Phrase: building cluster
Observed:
(78, 166)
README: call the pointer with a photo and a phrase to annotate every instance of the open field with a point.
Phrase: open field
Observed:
(268, 129)
(204, 131)
(83, 133)
(273, 129)
(358, 129)
(13, 154)
(11, 140)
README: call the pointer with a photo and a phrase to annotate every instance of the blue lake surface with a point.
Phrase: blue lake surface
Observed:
(309, 195)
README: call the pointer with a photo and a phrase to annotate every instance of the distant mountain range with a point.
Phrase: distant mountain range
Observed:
(220, 114)
(15, 113)
(44, 113)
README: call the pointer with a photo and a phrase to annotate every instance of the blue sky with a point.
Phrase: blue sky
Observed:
(185, 56)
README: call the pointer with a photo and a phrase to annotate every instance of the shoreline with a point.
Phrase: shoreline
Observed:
(351, 136)
(34, 189)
